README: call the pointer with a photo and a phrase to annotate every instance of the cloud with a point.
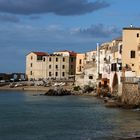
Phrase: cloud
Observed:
(9, 18)
(34, 17)
(19, 40)
(61, 7)
(98, 31)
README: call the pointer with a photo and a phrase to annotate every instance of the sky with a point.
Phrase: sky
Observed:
(53, 25)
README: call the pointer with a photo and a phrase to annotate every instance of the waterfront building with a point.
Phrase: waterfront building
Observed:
(80, 60)
(90, 56)
(56, 66)
(119, 60)
(88, 75)
(34, 65)
(109, 64)
(131, 52)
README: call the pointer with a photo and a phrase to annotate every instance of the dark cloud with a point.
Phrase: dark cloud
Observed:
(9, 18)
(99, 31)
(58, 7)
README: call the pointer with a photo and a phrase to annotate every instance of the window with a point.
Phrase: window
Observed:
(71, 59)
(31, 57)
(120, 66)
(71, 66)
(31, 64)
(63, 66)
(80, 69)
(56, 74)
(43, 59)
(71, 73)
(137, 34)
(113, 67)
(56, 59)
(50, 66)
(31, 73)
(132, 54)
(56, 66)
(80, 61)
(132, 64)
(120, 51)
(39, 57)
(90, 77)
(50, 74)
(50, 59)
(63, 59)
(139, 47)
(63, 74)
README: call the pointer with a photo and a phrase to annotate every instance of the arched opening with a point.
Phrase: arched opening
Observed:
(115, 85)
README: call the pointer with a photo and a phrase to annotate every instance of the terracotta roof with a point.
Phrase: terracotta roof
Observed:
(41, 53)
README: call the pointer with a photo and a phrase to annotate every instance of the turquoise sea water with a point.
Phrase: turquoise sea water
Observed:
(27, 117)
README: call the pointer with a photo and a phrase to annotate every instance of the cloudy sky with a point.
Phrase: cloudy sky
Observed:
(51, 25)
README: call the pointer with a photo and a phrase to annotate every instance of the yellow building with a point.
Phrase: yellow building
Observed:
(57, 66)
(34, 65)
(80, 63)
(131, 51)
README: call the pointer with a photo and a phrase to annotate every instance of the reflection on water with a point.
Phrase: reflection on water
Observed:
(27, 117)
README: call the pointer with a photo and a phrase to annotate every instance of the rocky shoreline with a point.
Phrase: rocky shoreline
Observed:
(109, 101)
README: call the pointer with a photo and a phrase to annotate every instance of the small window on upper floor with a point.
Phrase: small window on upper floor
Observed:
(90, 77)
(80, 61)
(137, 34)
(63, 66)
(80, 69)
(56, 73)
(63, 74)
(50, 74)
(31, 57)
(72, 59)
(132, 54)
(71, 66)
(50, 66)
(56, 59)
(50, 59)
(63, 59)
(39, 58)
(120, 51)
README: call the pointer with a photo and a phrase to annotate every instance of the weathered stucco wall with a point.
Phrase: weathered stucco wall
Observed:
(131, 94)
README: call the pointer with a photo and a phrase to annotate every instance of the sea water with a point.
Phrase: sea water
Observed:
(29, 116)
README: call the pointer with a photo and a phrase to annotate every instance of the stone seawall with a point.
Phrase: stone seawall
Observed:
(131, 94)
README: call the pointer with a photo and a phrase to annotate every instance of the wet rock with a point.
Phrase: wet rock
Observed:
(57, 92)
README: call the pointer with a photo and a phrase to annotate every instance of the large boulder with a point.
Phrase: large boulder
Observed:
(57, 92)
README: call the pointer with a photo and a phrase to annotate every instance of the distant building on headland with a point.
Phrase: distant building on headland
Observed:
(7, 77)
